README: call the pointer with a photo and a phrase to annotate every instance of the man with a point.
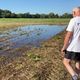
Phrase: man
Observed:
(71, 47)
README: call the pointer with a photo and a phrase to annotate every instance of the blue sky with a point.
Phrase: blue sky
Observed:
(39, 6)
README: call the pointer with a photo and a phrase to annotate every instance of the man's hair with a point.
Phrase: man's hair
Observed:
(78, 7)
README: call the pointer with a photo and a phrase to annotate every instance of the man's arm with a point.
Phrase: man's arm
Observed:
(66, 40)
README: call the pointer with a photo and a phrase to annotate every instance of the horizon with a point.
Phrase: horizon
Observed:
(33, 13)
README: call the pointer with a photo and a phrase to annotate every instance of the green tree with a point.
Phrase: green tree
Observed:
(51, 15)
(42, 16)
(13, 15)
(66, 15)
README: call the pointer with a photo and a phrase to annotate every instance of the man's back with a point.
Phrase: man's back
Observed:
(74, 26)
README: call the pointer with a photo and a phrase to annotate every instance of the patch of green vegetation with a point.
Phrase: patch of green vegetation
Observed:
(2, 58)
(34, 57)
(19, 65)
(23, 33)
(1, 48)
(6, 23)
(57, 37)
(38, 34)
(6, 20)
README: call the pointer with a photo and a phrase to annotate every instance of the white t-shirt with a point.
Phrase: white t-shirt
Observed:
(74, 26)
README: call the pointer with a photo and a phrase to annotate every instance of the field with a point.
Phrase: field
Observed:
(9, 23)
(43, 63)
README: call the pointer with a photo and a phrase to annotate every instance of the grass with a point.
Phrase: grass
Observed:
(6, 23)
(29, 20)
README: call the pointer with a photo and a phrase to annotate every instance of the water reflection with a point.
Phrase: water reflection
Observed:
(28, 35)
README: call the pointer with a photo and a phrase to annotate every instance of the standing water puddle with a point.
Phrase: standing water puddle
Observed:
(30, 35)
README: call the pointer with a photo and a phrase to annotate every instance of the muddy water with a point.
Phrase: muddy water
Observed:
(30, 35)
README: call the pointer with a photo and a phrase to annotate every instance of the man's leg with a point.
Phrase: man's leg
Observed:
(67, 63)
(77, 67)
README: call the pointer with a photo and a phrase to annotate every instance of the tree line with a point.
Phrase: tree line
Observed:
(9, 14)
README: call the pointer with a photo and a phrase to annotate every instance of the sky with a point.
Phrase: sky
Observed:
(39, 6)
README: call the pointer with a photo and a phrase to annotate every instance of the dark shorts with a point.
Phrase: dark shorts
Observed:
(72, 55)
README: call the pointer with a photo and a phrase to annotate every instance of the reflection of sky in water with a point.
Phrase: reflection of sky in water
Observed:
(31, 34)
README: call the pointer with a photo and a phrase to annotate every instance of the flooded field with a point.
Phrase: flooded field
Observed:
(16, 41)
(32, 53)
(31, 35)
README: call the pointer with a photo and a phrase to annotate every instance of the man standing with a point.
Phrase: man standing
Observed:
(71, 47)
